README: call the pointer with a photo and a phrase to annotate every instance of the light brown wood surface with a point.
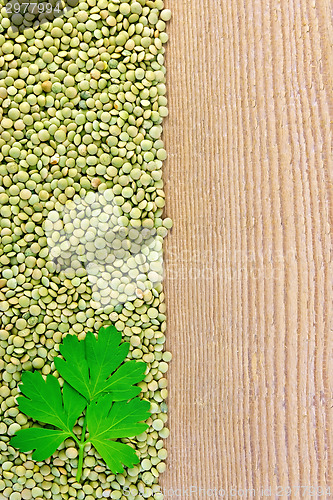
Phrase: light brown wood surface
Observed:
(249, 261)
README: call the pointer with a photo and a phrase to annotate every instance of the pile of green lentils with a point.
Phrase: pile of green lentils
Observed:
(82, 100)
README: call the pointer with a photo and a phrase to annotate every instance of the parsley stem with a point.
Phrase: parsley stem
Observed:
(75, 438)
(81, 449)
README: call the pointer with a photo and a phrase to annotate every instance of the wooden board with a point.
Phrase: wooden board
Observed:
(249, 261)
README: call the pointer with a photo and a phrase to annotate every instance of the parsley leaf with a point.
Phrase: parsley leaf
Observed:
(44, 401)
(43, 441)
(107, 421)
(88, 364)
(95, 381)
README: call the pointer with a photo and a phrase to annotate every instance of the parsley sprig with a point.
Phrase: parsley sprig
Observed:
(97, 382)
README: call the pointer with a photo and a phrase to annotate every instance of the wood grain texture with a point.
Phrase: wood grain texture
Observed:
(249, 261)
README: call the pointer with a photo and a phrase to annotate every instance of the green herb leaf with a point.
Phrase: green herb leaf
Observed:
(94, 382)
(120, 383)
(115, 454)
(108, 421)
(88, 364)
(43, 441)
(43, 401)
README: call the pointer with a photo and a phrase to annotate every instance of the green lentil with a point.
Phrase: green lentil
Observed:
(83, 101)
